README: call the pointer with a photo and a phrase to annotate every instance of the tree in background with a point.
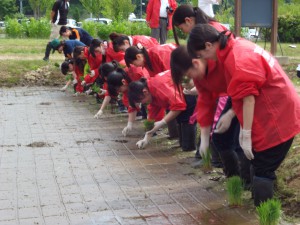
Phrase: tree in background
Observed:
(93, 6)
(39, 7)
(7, 8)
(118, 9)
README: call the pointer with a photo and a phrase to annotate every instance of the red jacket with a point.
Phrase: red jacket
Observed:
(210, 88)
(153, 9)
(112, 55)
(249, 70)
(94, 64)
(164, 96)
(160, 58)
(146, 41)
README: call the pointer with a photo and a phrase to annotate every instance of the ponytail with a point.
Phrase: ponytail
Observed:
(115, 81)
(131, 52)
(135, 91)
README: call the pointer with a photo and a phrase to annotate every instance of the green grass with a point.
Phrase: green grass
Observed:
(234, 190)
(269, 212)
(207, 160)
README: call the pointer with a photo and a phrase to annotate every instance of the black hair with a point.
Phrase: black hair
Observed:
(94, 44)
(132, 51)
(77, 51)
(114, 80)
(184, 11)
(63, 29)
(135, 91)
(105, 69)
(203, 33)
(118, 40)
(65, 66)
(180, 62)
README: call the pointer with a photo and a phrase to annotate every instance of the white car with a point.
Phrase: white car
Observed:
(99, 20)
(71, 23)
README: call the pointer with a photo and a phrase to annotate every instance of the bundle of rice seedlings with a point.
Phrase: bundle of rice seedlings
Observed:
(269, 212)
(234, 190)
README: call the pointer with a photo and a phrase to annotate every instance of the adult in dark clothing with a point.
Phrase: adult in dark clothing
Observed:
(65, 46)
(76, 34)
(58, 17)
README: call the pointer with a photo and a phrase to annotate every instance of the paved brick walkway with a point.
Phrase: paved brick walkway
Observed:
(58, 165)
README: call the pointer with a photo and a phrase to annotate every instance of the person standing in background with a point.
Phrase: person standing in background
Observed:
(159, 18)
(207, 6)
(58, 18)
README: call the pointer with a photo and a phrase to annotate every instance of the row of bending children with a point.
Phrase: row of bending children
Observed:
(258, 107)
(263, 99)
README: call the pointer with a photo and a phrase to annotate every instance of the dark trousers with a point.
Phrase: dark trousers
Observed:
(160, 33)
(266, 162)
(229, 140)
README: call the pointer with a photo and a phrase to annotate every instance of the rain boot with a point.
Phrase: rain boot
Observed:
(262, 189)
(215, 157)
(197, 154)
(245, 167)
(230, 163)
(179, 133)
(188, 136)
(47, 52)
(173, 130)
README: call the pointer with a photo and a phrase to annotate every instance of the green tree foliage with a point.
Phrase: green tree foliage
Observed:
(93, 6)
(39, 7)
(117, 9)
(7, 8)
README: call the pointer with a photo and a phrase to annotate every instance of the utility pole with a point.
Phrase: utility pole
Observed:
(141, 9)
(21, 6)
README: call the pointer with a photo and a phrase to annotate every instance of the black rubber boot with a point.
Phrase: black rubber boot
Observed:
(245, 170)
(173, 130)
(215, 157)
(197, 154)
(188, 136)
(262, 189)
(47, 52)
(230, 163)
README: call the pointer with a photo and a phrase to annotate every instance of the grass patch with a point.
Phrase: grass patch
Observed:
(207, 160)
(235, 189)
(269, 212)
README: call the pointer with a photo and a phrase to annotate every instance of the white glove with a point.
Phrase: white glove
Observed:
(64, 88)
(76, 94)
(98, 114)
(75, 81)
(92, 73)
(187, 91)
(158, 125)
(204, 144)
(83, 83)
(246, 143)
(89, 91)
(127, 129)
(224, 122)
(144, 142)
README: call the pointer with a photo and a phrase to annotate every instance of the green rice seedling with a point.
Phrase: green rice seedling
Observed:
(69, 77)
(269, 212)
(234, 190)
(148, 124)
(206, 159)
(96, 88)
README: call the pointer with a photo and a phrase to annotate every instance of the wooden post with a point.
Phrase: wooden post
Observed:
(238, 17)
(274, 29)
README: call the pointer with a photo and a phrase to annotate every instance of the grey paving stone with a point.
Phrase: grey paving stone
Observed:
(59, 165)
